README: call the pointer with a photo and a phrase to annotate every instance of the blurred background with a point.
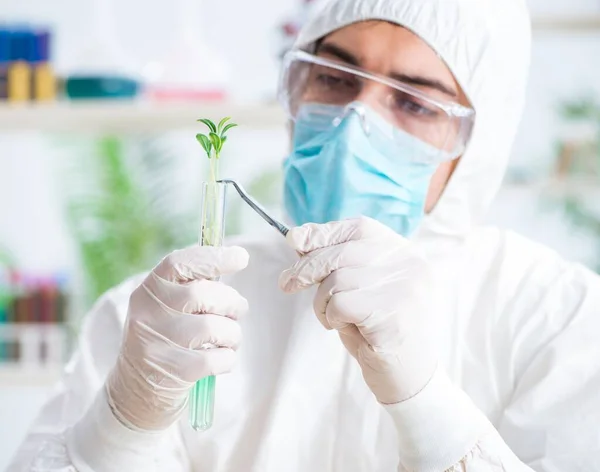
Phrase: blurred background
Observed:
(100, 170)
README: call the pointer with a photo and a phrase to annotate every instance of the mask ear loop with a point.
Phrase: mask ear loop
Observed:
(360, 111)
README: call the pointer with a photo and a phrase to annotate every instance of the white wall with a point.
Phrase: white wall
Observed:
(562, 7)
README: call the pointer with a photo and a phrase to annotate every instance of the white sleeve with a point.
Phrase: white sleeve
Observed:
(551, 419)
(440, 429)
(75, 431)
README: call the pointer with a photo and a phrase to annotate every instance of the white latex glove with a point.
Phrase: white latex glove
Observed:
(172, 314)
(375, 290)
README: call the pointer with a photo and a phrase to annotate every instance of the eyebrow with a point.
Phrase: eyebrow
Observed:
(415, 80)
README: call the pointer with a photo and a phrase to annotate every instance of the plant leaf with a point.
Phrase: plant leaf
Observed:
(205, 142)
(222, 123)
(227, 128)
(223, 139)
(209, 123)
(216, 142)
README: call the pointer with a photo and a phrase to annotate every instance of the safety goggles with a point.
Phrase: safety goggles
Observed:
(308, 80)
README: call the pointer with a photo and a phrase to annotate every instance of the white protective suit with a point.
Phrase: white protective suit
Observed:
(516, 327)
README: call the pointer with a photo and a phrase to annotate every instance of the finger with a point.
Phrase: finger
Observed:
(354, 307)
(213, 362)
(190, 332)
(378, 315)
(192, 365)
(198, 296)
(312, 236)
(315, 266)
(346, 280)
(201, 262)
(351, 339)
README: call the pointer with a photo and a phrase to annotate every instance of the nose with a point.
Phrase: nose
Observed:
(361, 113)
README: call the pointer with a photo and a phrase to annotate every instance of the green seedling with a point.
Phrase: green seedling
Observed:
(213, 143)
(211, 227)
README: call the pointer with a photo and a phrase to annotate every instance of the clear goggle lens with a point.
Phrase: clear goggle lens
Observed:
(309, 80)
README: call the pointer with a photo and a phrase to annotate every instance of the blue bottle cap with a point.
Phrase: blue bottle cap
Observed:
(29, 46)
(16, 51)
(41, 51)
(4, 45)
(22, 45)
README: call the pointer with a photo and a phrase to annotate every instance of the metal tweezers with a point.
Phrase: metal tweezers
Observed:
(283, 229)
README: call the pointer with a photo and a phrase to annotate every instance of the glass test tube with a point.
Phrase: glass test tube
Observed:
(212, 227)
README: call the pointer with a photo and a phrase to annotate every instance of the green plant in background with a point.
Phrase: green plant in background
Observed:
(117, 220)
(6, 259)
(585, 108)
(581, 171)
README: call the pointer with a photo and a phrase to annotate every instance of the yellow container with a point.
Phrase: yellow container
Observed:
(19, 82)
(44, 82)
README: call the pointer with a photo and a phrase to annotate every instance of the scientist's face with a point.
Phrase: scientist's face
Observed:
(388, 49)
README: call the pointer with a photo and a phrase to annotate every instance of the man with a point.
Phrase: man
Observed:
(458, 347)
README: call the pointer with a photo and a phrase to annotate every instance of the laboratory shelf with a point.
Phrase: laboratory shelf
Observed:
(131, 116)
(589, 23)
(17, 375)
(32, 353)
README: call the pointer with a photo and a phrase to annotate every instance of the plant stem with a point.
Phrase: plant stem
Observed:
(212, 230)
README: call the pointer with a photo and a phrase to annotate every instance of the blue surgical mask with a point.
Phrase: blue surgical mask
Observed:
(356, 168)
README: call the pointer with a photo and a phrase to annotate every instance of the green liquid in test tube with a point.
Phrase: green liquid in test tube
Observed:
(202, 395)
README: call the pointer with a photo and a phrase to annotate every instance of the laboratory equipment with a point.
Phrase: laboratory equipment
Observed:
(5, 55)
(26, 72)
(192, 69)
(101, 69)
(44, 79)
(202, 395)
(283, 229)
(212, 225)
(22, 46)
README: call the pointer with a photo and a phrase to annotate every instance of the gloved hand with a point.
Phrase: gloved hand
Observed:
(376, 291)
(172, 314)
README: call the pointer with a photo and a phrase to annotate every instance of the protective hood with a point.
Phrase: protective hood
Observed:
(486, 45)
